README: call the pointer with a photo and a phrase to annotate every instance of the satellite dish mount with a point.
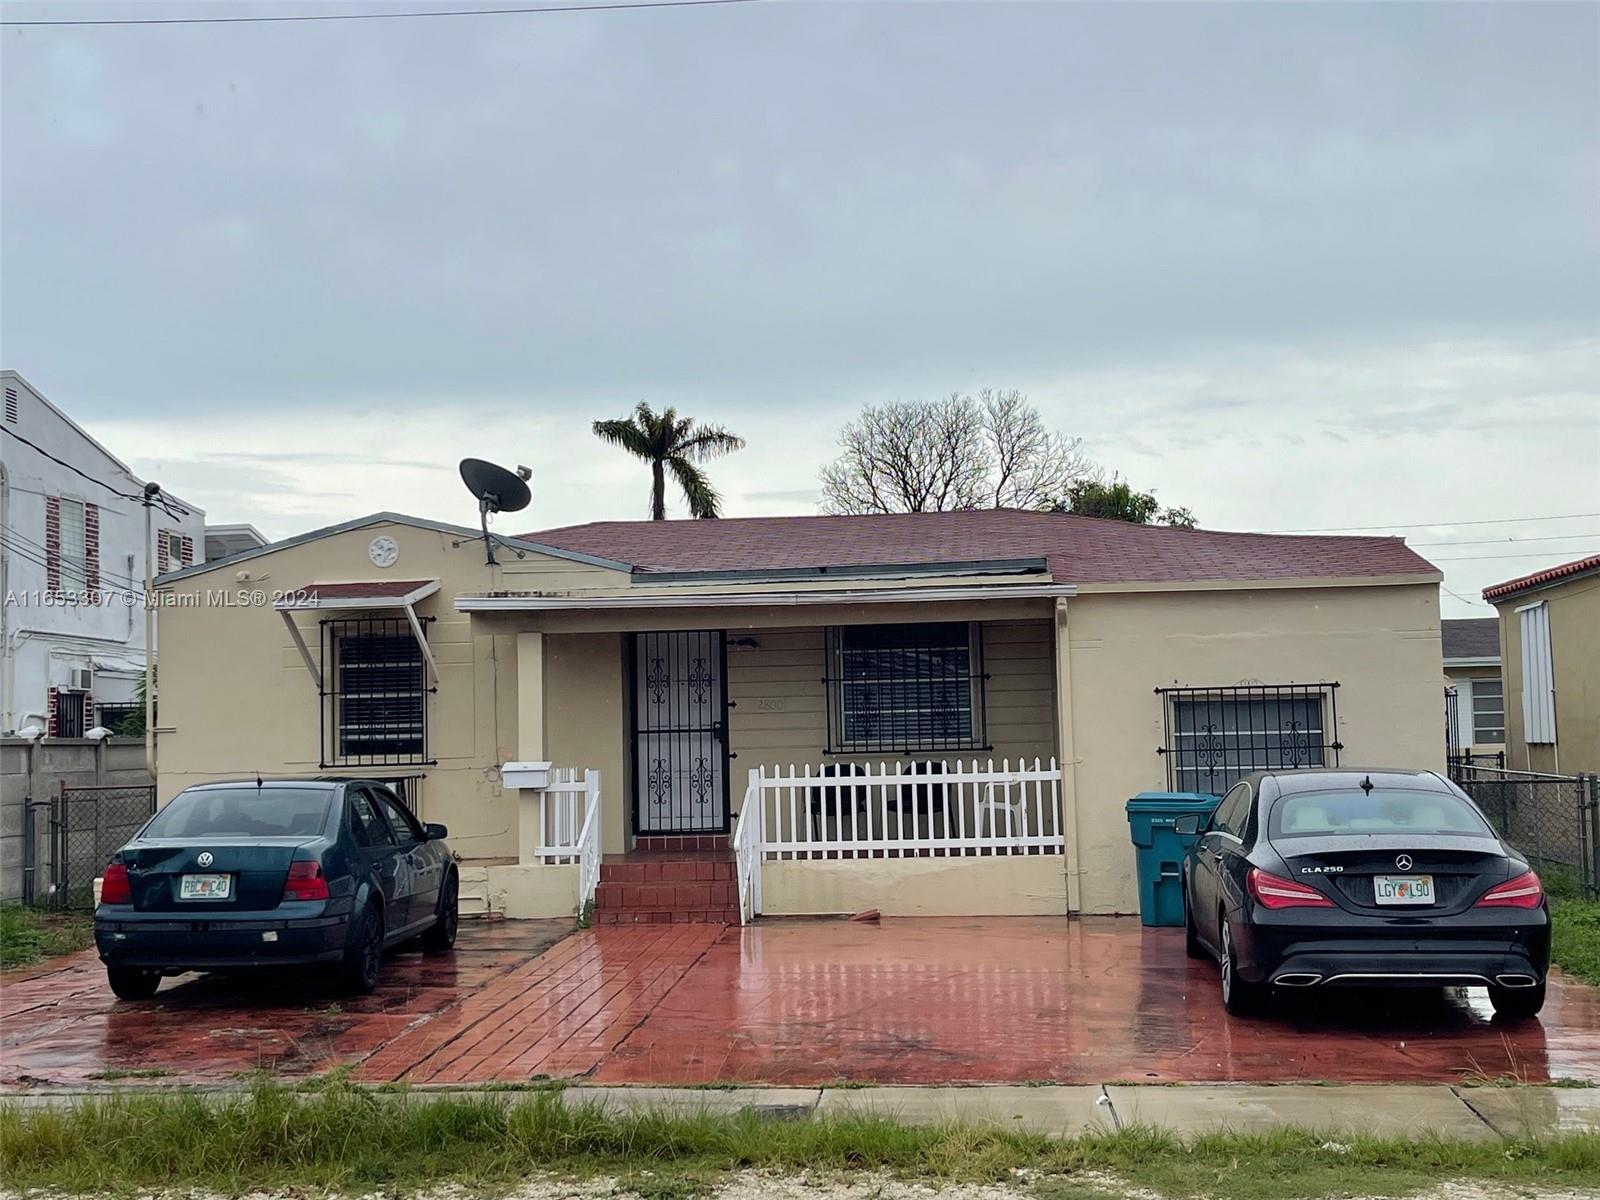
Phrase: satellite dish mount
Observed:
(497, 490)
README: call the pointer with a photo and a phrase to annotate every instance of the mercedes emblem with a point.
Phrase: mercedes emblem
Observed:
(205, 859)
(1403, 862)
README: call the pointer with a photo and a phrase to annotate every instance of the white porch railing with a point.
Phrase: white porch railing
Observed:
(747, 851)
(894, 810)
(563, 809)
(589, 854)
(567, 825)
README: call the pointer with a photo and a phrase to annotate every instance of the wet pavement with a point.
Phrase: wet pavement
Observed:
(59, 1023)
(907, 1001)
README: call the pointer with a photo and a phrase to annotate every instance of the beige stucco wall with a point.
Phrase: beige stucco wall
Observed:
(235, 697)
(1575, 658)
(1021, 885)
(1380, 643)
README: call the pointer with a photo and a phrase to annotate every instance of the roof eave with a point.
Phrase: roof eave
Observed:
(491, 603)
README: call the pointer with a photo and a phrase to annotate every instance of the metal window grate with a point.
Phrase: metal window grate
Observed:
(1215, 736)
(374, 699)
(906, 688)
(111, 716)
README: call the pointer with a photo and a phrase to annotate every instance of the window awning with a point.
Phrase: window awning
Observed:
(403, 594)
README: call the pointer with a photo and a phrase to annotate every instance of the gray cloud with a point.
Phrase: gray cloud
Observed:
(1195, 233)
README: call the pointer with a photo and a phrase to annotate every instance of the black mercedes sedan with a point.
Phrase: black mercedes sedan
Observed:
(1336, 878)
(230, 876)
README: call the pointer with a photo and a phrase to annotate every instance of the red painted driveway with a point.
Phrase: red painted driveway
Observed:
(907, 1001)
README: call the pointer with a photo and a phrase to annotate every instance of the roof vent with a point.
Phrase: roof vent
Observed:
(11, 406)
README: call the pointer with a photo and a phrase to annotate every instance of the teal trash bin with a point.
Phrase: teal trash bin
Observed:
(1159, 850)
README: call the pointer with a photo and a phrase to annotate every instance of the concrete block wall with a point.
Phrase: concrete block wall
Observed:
(32, 771)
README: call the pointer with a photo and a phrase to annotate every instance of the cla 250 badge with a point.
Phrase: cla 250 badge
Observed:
(1321, 870)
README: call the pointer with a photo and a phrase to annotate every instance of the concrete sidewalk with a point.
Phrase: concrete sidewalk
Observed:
(1397, 1110)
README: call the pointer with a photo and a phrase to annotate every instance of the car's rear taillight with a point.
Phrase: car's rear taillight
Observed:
(114, 887)
(1525, 891)
(1270, 891)
(305, 882)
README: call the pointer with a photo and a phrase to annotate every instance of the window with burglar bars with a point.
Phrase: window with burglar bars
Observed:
(375, 690)
(1215, 736)
(901, 688)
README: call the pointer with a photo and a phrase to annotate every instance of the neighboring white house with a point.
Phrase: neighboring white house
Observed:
(223, 541)
(72, 562)
(1472, 668)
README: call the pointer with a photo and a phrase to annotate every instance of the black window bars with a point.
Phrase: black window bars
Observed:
(906, 688)
(1215, 736)
(374, 709)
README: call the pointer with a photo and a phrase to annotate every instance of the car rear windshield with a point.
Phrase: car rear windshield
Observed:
(1324, 814)
(242, 812)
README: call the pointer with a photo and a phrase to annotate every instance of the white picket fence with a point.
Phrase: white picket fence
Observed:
(893, 810)
(569, 826)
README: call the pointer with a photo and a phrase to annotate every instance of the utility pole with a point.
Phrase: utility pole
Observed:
(151, 491)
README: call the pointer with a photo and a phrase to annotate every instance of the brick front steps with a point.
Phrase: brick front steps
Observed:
(667, 886)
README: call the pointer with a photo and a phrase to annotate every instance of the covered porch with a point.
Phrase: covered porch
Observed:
(855, 754)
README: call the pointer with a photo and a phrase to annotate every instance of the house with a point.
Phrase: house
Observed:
(223, 540)
(73, 561)
(1549, 626)
(922, 713)
(1472, 673)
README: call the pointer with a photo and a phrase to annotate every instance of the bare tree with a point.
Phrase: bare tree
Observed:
(1032, 464)
(992, 450)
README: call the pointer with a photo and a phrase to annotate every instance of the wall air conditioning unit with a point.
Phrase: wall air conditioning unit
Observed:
(81, 679)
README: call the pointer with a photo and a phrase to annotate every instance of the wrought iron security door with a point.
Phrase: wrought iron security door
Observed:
(680, 721)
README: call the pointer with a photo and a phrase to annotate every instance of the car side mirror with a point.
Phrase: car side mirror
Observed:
(1187, 825)
(435, 831)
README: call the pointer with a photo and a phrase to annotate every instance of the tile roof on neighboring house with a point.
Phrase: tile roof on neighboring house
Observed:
(1077, 549)
(1581, 566)
(1472, 637)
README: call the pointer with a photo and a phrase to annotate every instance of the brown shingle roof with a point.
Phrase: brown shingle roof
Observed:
(1078, 549)
(1548, 575)
(1471, 637)
(387, 589)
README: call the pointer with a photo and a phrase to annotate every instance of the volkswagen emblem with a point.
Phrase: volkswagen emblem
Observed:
(1403, 862)
(205, 859)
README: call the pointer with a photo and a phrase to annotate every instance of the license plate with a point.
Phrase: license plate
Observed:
(1403, 889)
(205, 887)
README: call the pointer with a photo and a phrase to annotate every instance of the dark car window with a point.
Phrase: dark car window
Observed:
(405, 832)
(1231, 813)
(370, 830)
(1321, 814)
(242, 812)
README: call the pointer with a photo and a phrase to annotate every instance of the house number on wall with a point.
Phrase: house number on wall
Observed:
(772, 704)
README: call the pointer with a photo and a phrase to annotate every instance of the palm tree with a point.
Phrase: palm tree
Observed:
(669, 442)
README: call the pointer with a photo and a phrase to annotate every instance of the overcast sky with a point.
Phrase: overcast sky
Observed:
(1293, 266)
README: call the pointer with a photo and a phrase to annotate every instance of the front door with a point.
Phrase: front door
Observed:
(680, 731)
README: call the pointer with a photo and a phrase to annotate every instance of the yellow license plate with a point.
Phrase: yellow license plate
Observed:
(1403, 889)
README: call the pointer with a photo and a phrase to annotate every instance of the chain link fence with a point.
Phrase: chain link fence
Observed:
(1554, 820)
(84, 827)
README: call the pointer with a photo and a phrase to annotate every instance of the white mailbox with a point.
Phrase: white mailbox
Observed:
(525, 774)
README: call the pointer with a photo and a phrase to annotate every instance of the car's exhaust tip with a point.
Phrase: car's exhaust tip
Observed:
(1298, 979)
(1516, 981)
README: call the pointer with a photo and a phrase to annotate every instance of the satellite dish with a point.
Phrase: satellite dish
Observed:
(497, 490)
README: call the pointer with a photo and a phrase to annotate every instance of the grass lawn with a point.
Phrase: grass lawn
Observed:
(1575, 938)
(354, 1141)
(27, 934)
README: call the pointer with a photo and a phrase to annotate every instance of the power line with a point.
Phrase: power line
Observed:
(29, 556)
(1463, 599)
(1558, 537)
(1494, 557)
(1434, 524)
(160, 499)
(385, 16)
